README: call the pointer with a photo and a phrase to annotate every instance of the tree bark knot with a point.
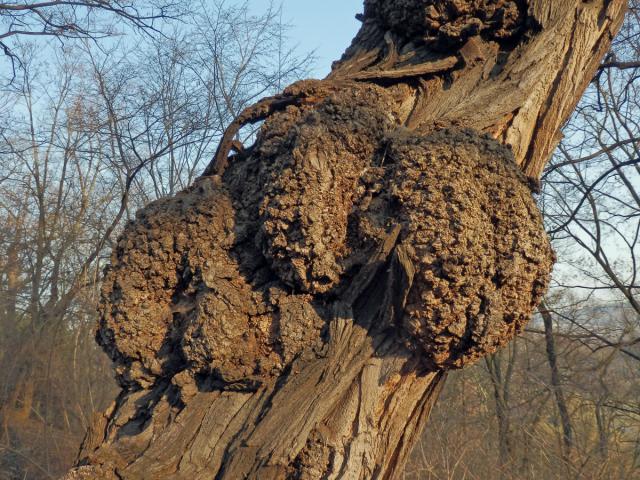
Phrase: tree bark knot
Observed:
(449, 23)
(293, 313)
(234, 278)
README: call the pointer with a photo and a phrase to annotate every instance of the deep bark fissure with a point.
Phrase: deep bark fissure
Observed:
(555, 86)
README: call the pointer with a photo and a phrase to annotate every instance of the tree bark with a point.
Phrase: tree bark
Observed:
(501, 382)
(293, 314)
(556, 382)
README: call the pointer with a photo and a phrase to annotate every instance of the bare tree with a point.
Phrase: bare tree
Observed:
(591, 200)
(79, 19)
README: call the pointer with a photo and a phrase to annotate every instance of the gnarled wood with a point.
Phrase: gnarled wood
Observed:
(293, 314)
(521, 91)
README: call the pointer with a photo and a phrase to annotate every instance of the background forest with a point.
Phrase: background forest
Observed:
(128, 106)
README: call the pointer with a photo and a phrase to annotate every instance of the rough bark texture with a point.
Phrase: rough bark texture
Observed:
(293, 314)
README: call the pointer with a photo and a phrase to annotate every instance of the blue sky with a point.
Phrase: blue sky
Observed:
(326, 26)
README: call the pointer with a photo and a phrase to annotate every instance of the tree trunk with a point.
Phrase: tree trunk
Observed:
(293, 314)
(501, 382)
(556, 382)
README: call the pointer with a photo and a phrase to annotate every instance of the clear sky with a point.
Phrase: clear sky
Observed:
(326, 26)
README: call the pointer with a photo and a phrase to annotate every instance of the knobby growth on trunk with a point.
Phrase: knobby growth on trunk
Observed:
(293, 314)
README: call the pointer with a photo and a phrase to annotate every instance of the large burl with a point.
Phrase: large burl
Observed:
(293, 314)
(229, 281)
